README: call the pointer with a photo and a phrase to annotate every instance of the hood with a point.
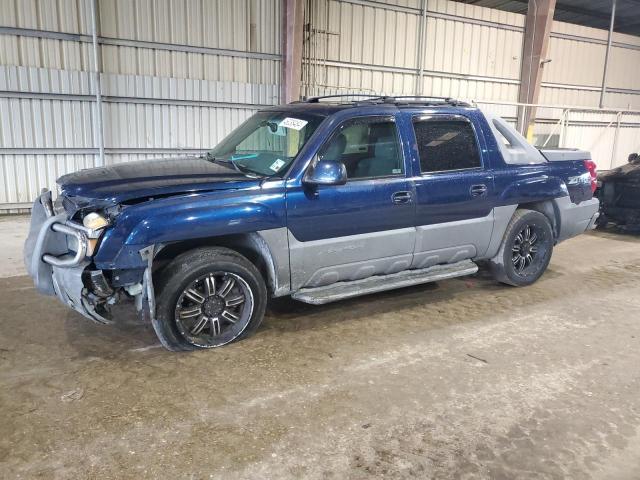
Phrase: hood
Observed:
(147, 178)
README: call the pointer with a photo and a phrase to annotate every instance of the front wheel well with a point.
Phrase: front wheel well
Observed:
(244, 244)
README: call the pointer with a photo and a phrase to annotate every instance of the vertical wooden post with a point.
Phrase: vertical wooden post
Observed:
(536, 40)
(292, 26)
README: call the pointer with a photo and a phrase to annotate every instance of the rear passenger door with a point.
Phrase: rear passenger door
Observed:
(454, 191)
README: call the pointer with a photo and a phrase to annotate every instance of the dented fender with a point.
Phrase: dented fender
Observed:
(189, 217)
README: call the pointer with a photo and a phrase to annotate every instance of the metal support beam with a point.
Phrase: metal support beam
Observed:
(292, 26)
(97, 117)
(606, 56)
(536, 40)
(422, 29)
(614, 152)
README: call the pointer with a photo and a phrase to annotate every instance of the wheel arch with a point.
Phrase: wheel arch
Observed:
(502, 267)
(549, 209)
(504, 214)
(267, 250)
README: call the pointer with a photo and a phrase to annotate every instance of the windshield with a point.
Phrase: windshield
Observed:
(267, 143)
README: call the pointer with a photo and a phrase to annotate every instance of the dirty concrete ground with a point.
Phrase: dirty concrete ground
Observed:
(13, 231)
(460, 379)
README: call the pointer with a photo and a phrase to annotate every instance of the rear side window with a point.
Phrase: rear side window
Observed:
(446, 145)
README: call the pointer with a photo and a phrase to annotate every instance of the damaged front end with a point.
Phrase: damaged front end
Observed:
(57, 255)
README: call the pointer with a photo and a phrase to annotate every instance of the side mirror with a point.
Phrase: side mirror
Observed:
(326, 172)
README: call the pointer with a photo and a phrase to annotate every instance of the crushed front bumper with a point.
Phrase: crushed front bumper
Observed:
(53, 266)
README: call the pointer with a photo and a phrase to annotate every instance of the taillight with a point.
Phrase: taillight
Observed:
(591, 167)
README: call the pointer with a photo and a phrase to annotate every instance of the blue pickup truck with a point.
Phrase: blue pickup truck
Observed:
(321, 200)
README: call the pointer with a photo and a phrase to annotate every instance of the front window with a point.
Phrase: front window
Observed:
(367, 146)
(267, 143)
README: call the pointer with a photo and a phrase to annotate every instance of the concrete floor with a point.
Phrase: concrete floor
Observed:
(463, 379)
(13, 231)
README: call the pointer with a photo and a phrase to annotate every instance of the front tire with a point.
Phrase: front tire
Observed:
(526, 249)
(208, 297)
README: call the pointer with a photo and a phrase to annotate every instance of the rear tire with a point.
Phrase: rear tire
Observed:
(206, 298)
(525, 251)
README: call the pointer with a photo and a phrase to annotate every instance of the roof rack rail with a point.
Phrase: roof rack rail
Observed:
(392, 99)
(340, 95)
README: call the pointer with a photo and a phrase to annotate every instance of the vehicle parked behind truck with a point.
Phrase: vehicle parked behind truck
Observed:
(321, 200)
(619, 195)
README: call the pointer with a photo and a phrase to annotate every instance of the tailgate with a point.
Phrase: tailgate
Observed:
(577, 170)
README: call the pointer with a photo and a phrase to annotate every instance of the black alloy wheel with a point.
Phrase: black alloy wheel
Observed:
(208, 297)
(214, 308)
(526, 249)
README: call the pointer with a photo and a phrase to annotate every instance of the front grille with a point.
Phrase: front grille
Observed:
(58, 207)
(68, 205)
(64, 204)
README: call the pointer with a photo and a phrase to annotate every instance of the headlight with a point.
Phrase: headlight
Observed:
(95, 221)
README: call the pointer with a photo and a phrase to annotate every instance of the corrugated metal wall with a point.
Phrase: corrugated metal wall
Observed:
(177, 76)
(574, 75)
(375, 47)
(467, 51)
(474, 53)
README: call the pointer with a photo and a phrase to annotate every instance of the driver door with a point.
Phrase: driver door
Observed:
(363, 228)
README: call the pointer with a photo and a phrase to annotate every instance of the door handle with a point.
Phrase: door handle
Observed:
(401, 197)
(478, 190)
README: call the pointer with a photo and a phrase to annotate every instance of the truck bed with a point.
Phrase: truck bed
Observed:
(562, 154)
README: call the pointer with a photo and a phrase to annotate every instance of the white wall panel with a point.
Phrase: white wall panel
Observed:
(206, 23)
(180, 74)
(44, 53)
(44, 80)
(470, 49)
(470, 89)
(366, 34)
(177, 76)
(168, 126)
(373, 47)
(574, 62)
(624, 69)
(465, 10)
(577, 57)
(24, 176)
(150, 87)
(148, 61)
(69, 16)
(567, 96)
(29, 124)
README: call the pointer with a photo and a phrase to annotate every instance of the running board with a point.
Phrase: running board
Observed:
(342, 290)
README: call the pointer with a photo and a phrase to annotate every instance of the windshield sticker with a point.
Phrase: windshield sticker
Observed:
(277, 165)
(294, 123)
